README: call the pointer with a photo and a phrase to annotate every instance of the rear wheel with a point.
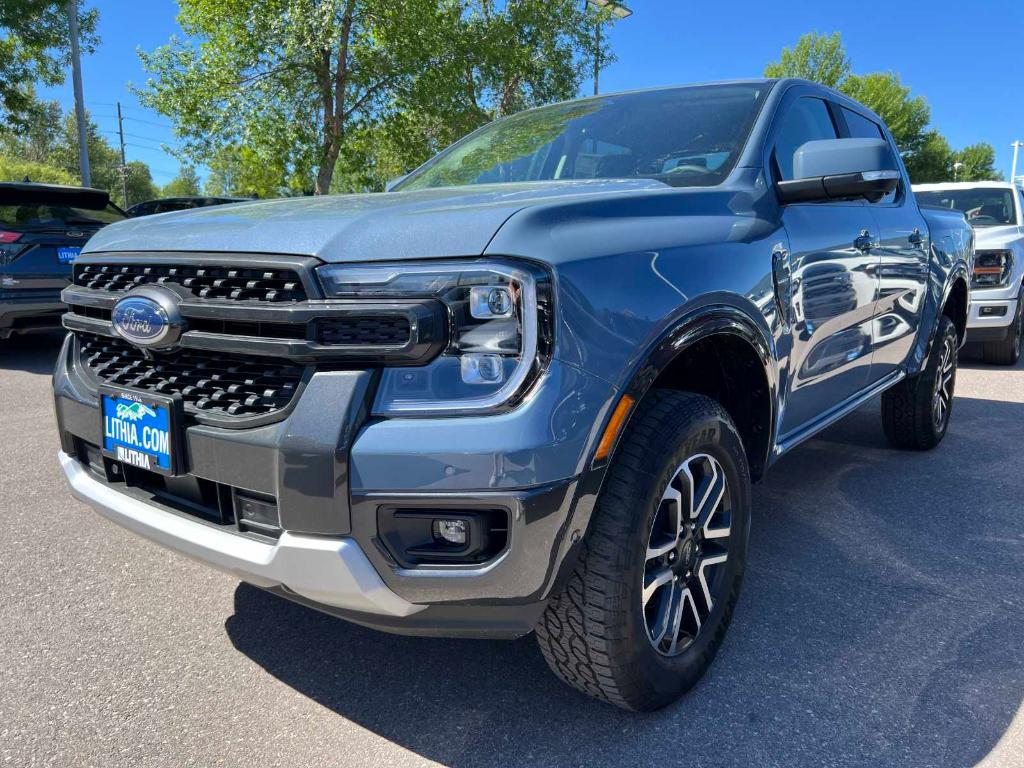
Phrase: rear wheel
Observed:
(915, 413)
(1007, 351)
(647, 606)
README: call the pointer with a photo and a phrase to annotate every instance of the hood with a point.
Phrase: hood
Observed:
(431, 223)
(989, 238)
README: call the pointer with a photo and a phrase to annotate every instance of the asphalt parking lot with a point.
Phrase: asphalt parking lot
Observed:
(882, 624)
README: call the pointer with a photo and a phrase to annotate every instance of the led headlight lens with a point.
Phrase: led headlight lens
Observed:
(992, 268)
(499, 330)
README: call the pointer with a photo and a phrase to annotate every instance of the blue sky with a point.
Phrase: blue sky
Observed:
(966, 59)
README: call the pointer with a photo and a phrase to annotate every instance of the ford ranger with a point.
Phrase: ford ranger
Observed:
(995, 209)
(530, 388)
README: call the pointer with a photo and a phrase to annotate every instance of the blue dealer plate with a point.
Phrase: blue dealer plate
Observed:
(68, 255)
(139, 429)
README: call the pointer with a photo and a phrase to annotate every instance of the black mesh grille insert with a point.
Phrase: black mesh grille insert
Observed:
(356, 331)
(205, 282)
(210, 382)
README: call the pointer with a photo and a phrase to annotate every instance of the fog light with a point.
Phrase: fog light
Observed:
(451, 531)
(482, 369)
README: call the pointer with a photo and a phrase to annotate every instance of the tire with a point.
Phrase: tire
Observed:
(1007, 351)
(612, 631)
(916, 412)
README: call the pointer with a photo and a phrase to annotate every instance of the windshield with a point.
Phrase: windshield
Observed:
(682, 137)
(50, 217)
(984, 207)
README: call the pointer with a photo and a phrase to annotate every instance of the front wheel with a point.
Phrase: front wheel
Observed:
(915, 412)
(647, 606)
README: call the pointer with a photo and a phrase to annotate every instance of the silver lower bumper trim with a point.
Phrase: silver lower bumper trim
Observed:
(333, 571)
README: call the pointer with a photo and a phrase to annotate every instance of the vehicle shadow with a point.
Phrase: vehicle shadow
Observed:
(880, 625)
(33, 353)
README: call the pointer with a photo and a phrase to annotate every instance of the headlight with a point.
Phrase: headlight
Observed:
(992, 268)
(499, 330)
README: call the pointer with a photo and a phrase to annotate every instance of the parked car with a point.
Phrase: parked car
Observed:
(996, 211)
(42, 229)
(530, 388)
(167, 204)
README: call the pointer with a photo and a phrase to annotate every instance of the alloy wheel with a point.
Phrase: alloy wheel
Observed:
(686, 554)
(942, 398)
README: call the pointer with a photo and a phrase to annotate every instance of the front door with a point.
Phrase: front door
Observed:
(833, 272)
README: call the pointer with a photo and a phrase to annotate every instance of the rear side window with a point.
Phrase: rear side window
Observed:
(808, 119)
(860, 127)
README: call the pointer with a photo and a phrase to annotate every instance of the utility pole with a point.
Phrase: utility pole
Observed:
(124, 164)
(76, 77)
(620, 11)
(1016, 148)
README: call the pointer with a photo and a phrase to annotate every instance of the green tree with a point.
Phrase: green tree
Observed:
(139, 182)
(934, 162)
(303, 84)
(36, 134)
(238, 171)
(35, 48)
(819, 58)
(185, 184)
(907, 116)
(17, 169)
(977, 163)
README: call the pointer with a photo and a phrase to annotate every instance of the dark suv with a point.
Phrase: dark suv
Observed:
(529, 389)
(42, 230)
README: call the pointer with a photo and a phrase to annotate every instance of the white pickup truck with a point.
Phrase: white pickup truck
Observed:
(995, 209)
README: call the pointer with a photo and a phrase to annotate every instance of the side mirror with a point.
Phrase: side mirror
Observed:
(840, 169)
(392, 183)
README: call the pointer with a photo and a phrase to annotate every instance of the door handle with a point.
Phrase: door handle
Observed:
(865, 241)
(782, 278)
(916, 238)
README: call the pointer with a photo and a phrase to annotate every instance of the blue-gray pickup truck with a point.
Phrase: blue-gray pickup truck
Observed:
(529, 388)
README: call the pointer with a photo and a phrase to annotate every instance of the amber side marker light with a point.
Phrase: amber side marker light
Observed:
(615, 423)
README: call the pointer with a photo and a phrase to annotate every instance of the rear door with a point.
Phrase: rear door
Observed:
(902, 246)
(832, 278)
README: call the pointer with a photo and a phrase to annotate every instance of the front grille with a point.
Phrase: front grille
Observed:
(205, 282)
(210, 383)
(390, 330)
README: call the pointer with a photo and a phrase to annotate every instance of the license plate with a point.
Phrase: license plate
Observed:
(141, 429)
(68, 255)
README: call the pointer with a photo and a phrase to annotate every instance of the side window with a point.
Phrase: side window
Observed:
(1020, 194)
(860, 127)
(808, 119)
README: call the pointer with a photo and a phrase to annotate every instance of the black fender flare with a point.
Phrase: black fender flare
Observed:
(957, 273)
(696, 325)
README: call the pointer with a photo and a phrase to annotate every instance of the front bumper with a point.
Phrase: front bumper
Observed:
(990, 318)
(331, 472)
(332, 572)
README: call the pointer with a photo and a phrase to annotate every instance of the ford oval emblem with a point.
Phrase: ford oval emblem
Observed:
(142, 321)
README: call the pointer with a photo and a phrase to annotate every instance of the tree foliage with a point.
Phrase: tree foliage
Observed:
(19, 169)
(49, 139)
(926, 153)
(35, 47)
(311, 86)
(185, 184)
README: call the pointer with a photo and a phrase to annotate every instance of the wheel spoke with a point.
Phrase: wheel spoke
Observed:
(702, 577)
(655, 581)
(712, 491)
(685, 599)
